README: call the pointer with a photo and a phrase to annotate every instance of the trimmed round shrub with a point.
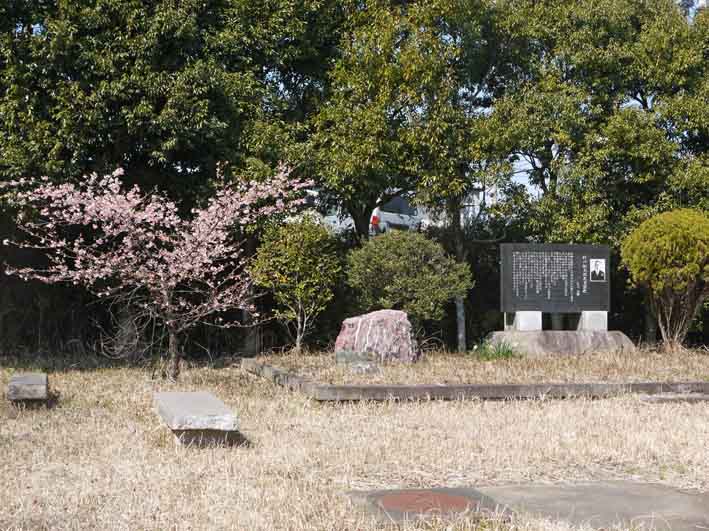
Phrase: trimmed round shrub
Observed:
(406, 271)
(668, 256)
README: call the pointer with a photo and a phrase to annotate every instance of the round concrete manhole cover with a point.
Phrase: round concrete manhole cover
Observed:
(423, 502)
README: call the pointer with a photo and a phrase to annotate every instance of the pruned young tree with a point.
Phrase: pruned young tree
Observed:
(122, 243)
(299, 263)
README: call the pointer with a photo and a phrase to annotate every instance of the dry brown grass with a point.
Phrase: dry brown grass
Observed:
(101, 460)
(447, 368)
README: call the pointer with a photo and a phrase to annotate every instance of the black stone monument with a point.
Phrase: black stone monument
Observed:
(556, 279)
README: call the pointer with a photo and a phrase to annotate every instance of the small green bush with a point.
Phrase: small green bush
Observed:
(668, 256)
(299, 262)
(489, 352)
(406, 271)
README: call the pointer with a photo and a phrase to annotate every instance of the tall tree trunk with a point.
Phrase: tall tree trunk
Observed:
(299, 332)
(650, 332)
(455, 215)
(361, 218)
(460, 324)
(173, 364)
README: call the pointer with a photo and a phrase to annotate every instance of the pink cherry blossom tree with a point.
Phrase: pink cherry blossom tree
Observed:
(122, 243)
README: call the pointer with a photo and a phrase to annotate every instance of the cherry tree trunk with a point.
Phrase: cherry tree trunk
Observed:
(173, 363)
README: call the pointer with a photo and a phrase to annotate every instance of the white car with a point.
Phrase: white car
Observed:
(397, 213)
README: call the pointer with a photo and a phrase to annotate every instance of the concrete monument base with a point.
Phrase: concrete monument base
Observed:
(574, 342)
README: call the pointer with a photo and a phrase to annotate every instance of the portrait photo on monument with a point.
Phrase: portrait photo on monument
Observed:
(598, 270)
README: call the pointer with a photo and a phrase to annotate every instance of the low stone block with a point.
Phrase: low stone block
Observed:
(573, 342)
(28, 387)
(197, 417)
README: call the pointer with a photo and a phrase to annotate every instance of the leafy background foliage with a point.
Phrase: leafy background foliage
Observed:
(589, 117)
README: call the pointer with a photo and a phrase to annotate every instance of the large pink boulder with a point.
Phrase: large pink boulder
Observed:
(384, 334)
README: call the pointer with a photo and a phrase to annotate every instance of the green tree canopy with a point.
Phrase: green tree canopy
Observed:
(164, 89)
(404, 97)
(604, 104)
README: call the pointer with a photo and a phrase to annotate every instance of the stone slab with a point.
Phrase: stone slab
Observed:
(28, 386)
(599, 505)
(194, 411)
(603, 505)
(558, 342)
(407, 505)
(676, 398)
(382, 392)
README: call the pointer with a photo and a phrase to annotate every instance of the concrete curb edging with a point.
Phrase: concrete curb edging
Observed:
(380, 392)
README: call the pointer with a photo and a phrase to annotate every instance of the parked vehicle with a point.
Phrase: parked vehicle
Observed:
(397, 213)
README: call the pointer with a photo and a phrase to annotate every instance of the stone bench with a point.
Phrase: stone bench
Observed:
(28, 388)
(198, 418)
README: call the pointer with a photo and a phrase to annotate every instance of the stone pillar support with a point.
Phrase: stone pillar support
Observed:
(523, 321)
(593, 321)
